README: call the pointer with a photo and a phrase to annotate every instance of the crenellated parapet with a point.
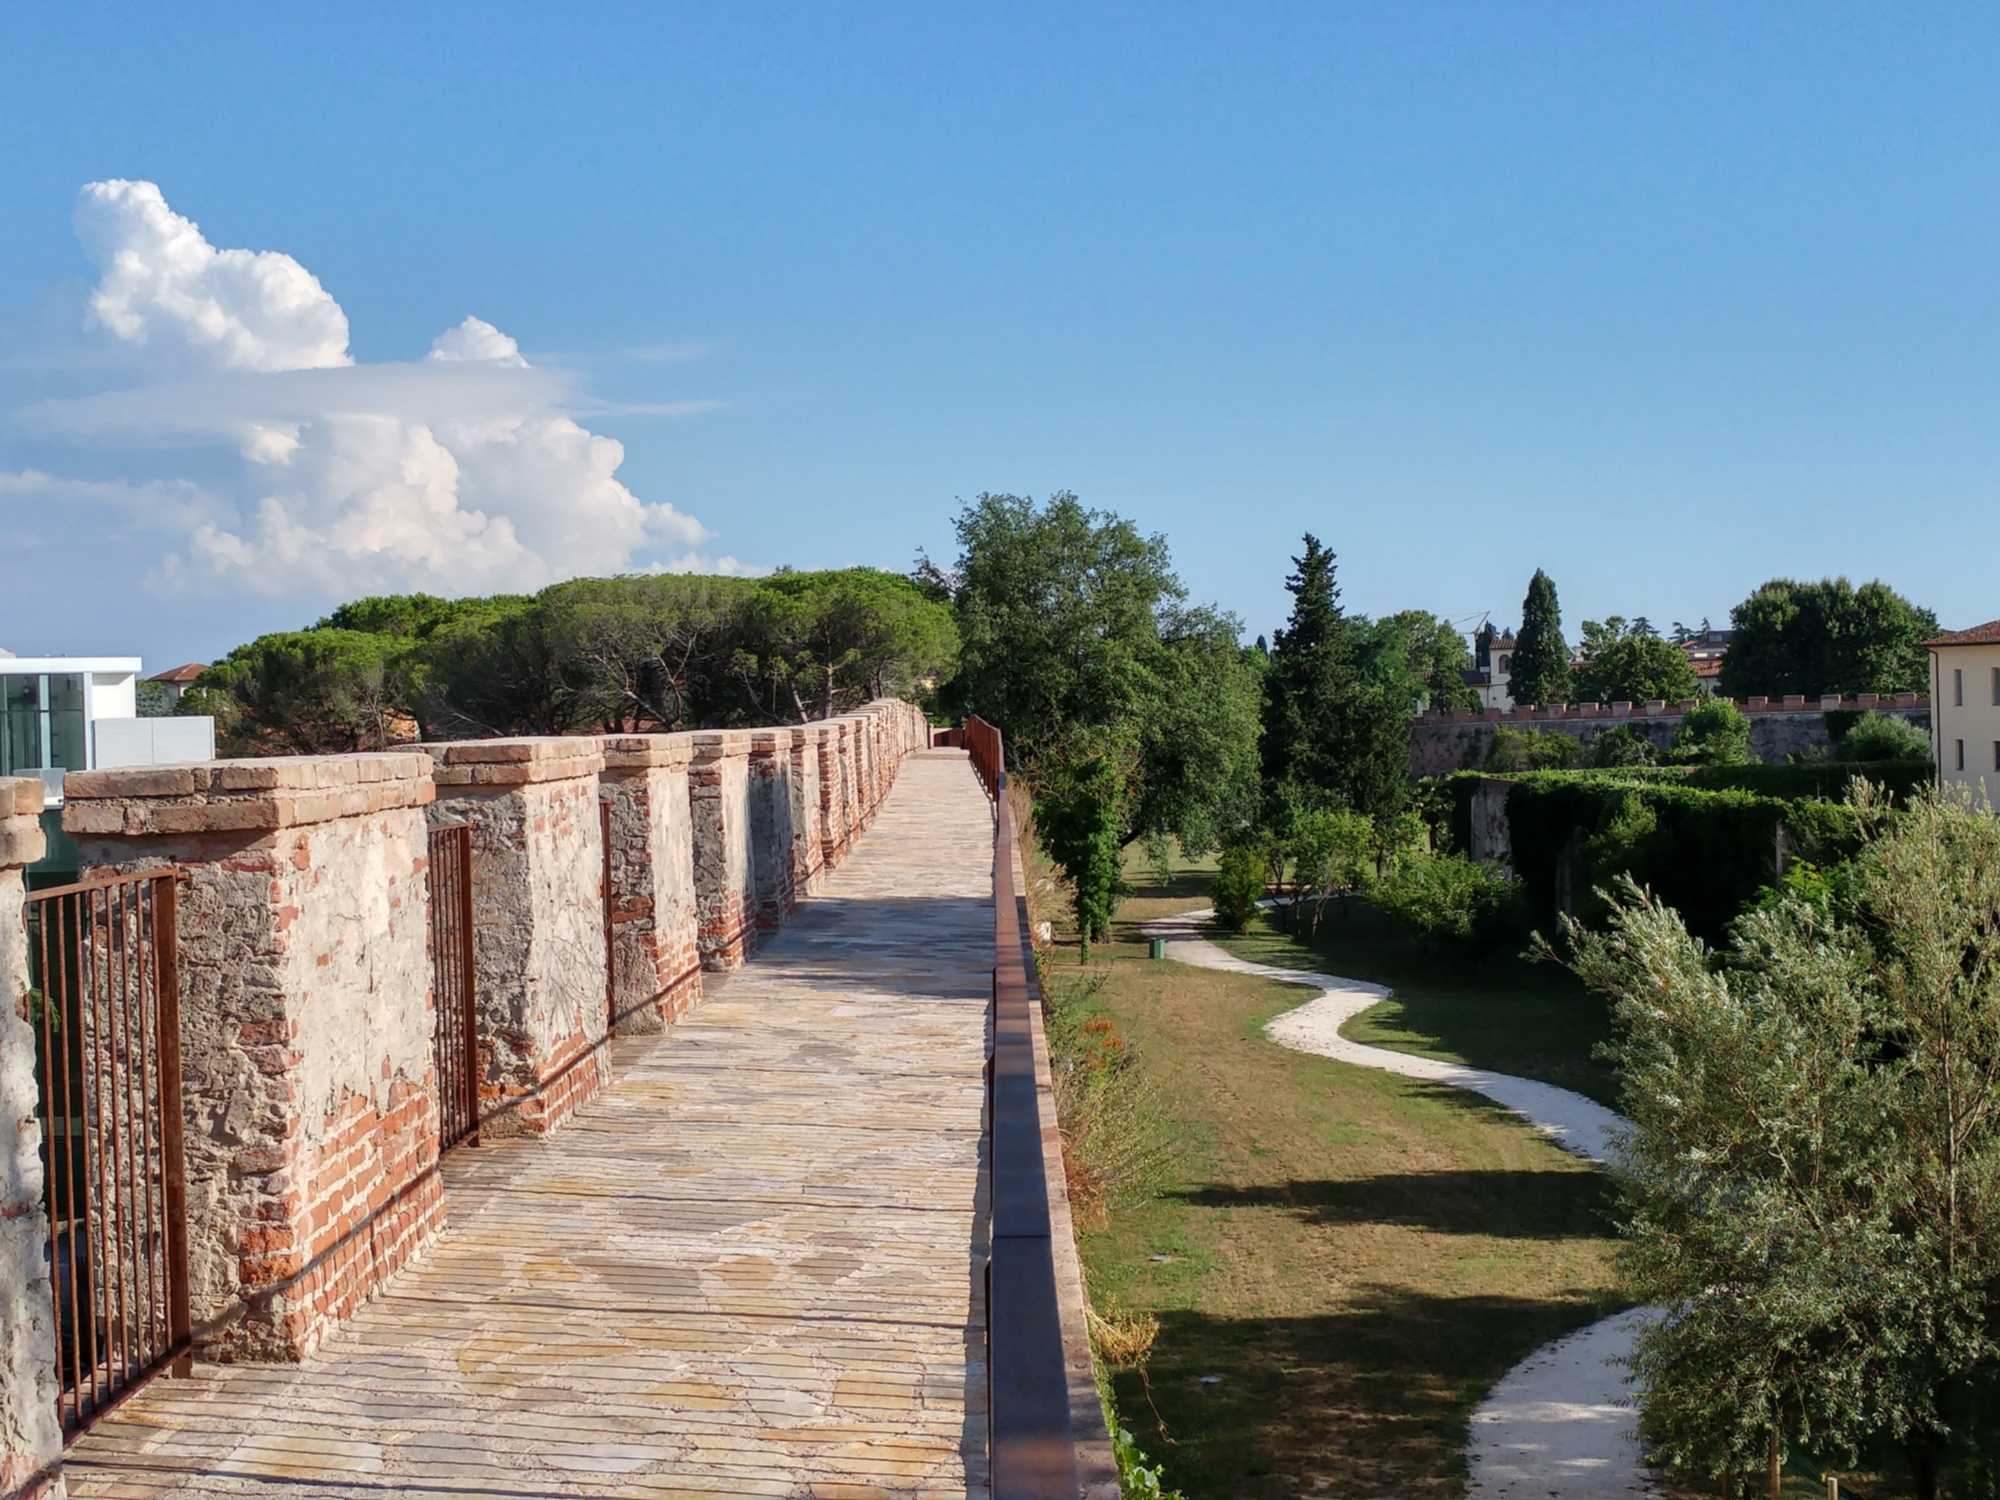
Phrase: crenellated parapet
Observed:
(605, 874)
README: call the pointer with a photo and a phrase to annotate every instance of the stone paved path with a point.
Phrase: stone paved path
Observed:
(748, 1269)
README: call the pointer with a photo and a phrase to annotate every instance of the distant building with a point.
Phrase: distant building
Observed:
(177, 681)
(1704, 653)
(1965, 708)
(1492, 668)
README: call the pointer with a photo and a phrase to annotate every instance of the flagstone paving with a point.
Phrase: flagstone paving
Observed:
(747, 1269)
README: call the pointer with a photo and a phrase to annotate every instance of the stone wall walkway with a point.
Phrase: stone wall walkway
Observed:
(748, 1269)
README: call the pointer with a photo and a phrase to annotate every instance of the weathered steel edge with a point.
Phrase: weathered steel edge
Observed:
(1033, 1454)
(1096, 1462)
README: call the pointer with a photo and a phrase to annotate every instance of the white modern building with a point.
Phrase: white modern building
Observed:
(77, 713)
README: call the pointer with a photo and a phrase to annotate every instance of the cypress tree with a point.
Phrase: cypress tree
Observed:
(1329, 736)
(1541, 657)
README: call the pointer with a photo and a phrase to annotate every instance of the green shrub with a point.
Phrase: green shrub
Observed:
(1621, 745)
(1450, 898)
(1076, 819)
(1707, 852)
(1883, 737)
(1714, 733)
(1531, 750)
(1239, 885)
(1825, 778)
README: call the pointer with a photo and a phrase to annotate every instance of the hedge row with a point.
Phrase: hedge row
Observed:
(1704, 849)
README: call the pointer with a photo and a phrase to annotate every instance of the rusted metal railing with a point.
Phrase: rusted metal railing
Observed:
(452, 985)
(609, 902)
(982, 743)
(1031, 1446)
(104, 1002)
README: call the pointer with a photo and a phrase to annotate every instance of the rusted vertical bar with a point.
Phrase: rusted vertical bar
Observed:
(117, 967)
(149, 1042)
(167, 982)
(610, 960)
(54, 1067)
(467, 985)
(90, 966)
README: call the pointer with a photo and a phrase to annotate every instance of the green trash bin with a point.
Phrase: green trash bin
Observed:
(1158, 948)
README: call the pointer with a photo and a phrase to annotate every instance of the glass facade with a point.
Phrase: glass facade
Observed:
(41, 723)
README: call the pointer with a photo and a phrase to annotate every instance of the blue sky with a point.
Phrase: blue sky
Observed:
(1666, 300)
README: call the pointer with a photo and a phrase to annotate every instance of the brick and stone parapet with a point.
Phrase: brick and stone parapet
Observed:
(773, 880)
(826, 749)
(306, 1026)
(724, 878)
(30, 1438)
(655, 931)
(538, 922)
(808, 812)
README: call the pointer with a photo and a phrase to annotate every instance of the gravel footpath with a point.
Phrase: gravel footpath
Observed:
(1558, 1426)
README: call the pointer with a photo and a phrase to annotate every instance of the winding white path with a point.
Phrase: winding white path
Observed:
(1559, 1424)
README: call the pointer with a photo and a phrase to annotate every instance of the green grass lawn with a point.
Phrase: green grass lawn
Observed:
(1342, 1262)
(1501, 1012)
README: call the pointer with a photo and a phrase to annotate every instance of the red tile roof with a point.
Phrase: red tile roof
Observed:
(1979, 635)
(186, 673)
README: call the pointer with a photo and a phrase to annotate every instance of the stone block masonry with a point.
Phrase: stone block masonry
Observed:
(30, 1439)
(773, 881)
(306, 1026)
(538, 922)
(724, 877)
(655, 932)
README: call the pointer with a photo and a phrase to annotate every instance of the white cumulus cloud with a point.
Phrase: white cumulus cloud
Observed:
(165, 287)
(460, 472)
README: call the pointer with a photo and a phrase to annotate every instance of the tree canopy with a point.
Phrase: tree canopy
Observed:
(1540, 671)
(661, 652)
(1334, 735)
(1812, 1187)
(1826, 637)
(1627, 664)
(1127, 710)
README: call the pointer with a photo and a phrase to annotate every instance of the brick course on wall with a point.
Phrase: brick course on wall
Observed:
(306, 1026)
(538, 922)
(1441, 743)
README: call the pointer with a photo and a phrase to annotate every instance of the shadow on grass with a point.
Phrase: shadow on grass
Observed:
(1373, 1400)
(1507, 1204)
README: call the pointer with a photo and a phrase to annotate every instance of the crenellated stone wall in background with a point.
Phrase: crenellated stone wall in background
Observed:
(1441, 743)
(308, 1018)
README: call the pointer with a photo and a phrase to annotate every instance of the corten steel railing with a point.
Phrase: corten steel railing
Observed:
(982, 743)
(452, 984)
(104, 1002)
(1030, 1444)
(610, 959)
